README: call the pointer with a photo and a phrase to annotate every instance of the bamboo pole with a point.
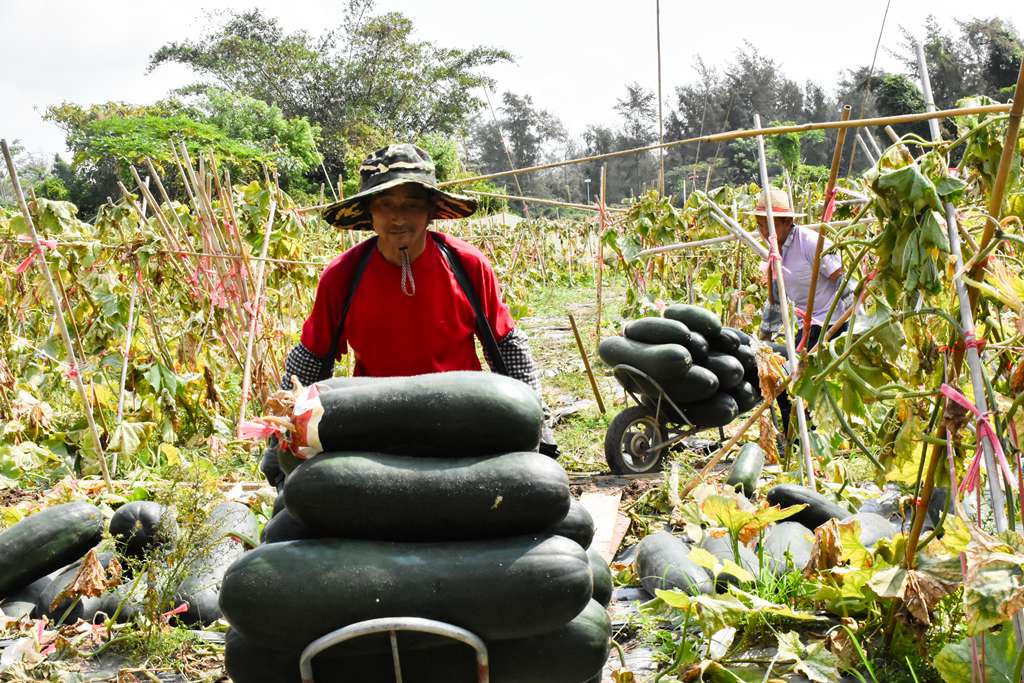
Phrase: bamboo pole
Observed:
(254, 318)
(68, 345)
(966, 321)
(586, 364)
(864, 148)
(833, 176)
(748, 133)
(794, 360)
(603, 219)
(684, 245)
(539, 200)
(727, 222)
(873, 142)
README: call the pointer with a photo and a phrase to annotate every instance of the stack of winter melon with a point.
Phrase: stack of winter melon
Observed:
(428, 501)
(709, 370)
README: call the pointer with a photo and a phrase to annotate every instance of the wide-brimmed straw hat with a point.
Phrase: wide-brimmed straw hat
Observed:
(781, 206)
(390, 167)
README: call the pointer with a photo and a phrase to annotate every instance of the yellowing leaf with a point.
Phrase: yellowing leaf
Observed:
(703, 558)
(741, 574)
(170, 453)
(813, 661)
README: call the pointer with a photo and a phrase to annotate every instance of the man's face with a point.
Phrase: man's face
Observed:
(401, 215)
(782, 226)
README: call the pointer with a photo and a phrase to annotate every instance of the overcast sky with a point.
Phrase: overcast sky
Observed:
(573, 57)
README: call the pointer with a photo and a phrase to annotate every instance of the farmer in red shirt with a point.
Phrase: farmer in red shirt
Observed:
(408, 301)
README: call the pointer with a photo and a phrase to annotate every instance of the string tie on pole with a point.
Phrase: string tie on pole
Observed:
(984, 431)
(830, 206)
(36, 251)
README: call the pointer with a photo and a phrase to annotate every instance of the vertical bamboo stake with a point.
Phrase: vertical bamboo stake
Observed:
(586, 364)
(873, 142)
(68, 345)
(864, 148)
(798, 402)
(833, 176)
(966, 317)
(254, 318)
(602, 224)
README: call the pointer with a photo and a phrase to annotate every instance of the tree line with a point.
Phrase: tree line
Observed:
(310, 107)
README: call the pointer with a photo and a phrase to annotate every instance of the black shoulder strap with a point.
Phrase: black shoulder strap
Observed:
(364, 258)
(483, 327)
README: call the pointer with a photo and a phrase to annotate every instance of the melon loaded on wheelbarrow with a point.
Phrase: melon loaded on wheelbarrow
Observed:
(686, 373)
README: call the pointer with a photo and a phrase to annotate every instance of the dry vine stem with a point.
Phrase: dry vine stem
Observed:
(69, 346)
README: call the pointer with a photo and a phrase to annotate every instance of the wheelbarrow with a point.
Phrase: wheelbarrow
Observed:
(639, 437)
(392, 625)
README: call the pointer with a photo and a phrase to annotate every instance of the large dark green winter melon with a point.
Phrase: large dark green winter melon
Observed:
(405, 498)
(663, 562)
(284, 526)
(575, 651)
(717, 411)
(660, 361)
(577, 525)
(819, 508)
(498, 589)
(140, 525)
(747, 396)
(46, 541)
(697, 318)
(727, 369)
(747, 358)
(446, 414)
(697, 385)
(657, 331)
(745, 339)
(227, 524)
(727, 341)
(602, 577)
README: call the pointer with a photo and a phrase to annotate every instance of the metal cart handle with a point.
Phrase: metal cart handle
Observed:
(392, 625)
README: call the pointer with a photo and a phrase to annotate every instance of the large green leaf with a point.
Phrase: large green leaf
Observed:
(954, 660)
(907, 186)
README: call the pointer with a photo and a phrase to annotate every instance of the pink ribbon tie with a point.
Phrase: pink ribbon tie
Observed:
(984, 431)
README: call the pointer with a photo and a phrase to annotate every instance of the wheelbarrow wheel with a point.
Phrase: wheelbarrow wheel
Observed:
(629, 439)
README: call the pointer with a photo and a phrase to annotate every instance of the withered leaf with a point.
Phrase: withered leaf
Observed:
(92, 580)
(827, 550)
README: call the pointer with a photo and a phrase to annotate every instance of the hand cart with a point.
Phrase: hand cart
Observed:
(638, 437)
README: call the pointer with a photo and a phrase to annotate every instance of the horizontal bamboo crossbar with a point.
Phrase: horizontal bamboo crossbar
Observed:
(750, 133)
(539, 200)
